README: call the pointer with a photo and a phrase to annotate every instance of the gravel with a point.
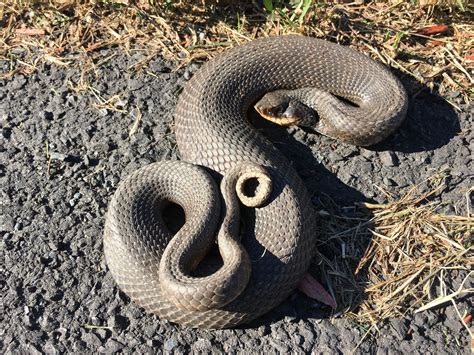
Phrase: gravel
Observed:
(62, 155)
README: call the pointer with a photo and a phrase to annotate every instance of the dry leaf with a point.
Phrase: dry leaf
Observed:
(313, 289)
(30, 31)
(432, 30)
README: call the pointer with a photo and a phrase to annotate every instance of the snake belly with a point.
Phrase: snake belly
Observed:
(212, 131)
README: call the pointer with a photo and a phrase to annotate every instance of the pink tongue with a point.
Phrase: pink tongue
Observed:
(313, 289)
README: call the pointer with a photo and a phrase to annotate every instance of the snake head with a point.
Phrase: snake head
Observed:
(281, 108)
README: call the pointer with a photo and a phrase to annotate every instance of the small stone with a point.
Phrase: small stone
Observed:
(103, 112)
(366, 153)
(102, 147)
(58, 156)
(92, 339)
(103, 333)
(389, 158)
(113, 346)
(170, 344)
(389, 182)
(150, 330)
(7, 223)
(63, 331)
(187, 75)
(50, 259)
(79, 346)
(49, 348)
(153, 343)
(400, 328)
(28, 320)
(71, 99)
(18, 82)
(202, 344)
(334, 157)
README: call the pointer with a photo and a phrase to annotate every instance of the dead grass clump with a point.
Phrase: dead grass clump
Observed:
(399, 258)
(412, 250)
(432, 44)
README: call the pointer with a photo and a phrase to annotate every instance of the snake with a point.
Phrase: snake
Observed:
(249, 227)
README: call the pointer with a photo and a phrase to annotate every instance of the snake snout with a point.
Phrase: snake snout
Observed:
(286, 108)
(253, 186)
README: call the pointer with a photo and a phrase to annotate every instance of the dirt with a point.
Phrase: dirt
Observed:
(62, 157)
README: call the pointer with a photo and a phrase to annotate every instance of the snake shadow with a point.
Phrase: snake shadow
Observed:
(431, 122)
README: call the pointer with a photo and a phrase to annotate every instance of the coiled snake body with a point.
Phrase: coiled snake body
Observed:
(266, 247)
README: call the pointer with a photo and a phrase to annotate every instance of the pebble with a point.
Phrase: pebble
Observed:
(58, 156)
(389, 182)
(79, 346)
(102, 147)
(18, 82)
(113, 346)
(389, 158)
(400, 328)
(92, 339)
(170, 344)
(150, 330)
(71, 99)
(202, 344)
(49, 348)
(103, 112)
(87, 160)
(187, 75)
(153, 343)
(366, 153)
(7, 223)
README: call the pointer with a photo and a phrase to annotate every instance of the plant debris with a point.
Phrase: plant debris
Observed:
(431, 42)
(413, 250)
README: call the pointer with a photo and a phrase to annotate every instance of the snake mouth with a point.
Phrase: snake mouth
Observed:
(250, 187)
(253, 188)
(283, 120)
(278, 108)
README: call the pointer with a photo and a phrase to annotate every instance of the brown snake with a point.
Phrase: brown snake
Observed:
(262, 218)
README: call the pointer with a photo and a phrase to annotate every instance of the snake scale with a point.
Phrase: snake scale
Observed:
(238, 192)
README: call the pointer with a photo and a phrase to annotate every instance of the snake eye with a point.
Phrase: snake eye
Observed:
(280, 110)
(290, 111)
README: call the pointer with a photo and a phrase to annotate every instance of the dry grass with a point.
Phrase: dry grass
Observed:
(412, 246)
(432, 44)
(413, 251)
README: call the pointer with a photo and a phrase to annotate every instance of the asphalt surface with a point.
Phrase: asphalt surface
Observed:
(63, 153)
